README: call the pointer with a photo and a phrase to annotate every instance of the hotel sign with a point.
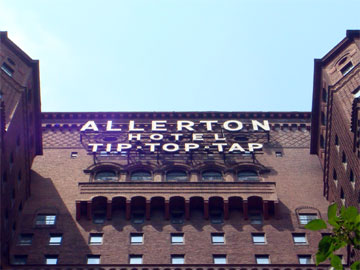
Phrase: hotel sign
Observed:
(182, 135)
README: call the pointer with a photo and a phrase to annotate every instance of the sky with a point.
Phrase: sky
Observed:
(177, 55)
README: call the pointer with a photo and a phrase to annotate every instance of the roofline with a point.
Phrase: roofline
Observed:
(34, 64)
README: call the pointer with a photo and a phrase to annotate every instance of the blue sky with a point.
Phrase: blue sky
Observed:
(171, 55)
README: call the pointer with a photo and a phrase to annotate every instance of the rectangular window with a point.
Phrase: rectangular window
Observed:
(45, 220)
(7, 69)
(135, 259)
(51, 259)
(258, 238)
(299, 238)
(25, 239)
(19, 259)
(74, 154)
(93, 259)
(177, 259)
(255, 218)
(136, 238)
(96, 239)
(219, 259)
(262, 259)
(278, 154)
(177, 238)
(347, 68)
(217, 238)
(305, 259)
(306, 218)
(55, 239)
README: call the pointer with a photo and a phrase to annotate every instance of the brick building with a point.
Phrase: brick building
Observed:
(174, 190)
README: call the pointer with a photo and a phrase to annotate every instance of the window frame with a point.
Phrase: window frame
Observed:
(177, 256)
(299, 236)
(106, 170)
(305, 217)
(134, 235)
(185, 175)
(257, 242)
(25, 239)
(210, 178)
(51, 257)
(258, 259)
(45, 220)
(136, 257)
(54, 236)
(305, 256)
(250, 175)
(149, 176)
(219, 257)
(93, 257)
(174, 235)
(94, 236)
(214, 235)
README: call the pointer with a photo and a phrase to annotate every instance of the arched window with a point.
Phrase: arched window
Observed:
(211, 175)
(141, 176)
(176, 176)
(248, 175)
(106, 175)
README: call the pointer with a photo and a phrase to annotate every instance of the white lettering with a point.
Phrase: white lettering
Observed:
(132, 126)
(208, 124)
(95, 146)
(108, 147)
(189, 146)
(109, 127)
(170, 147)
(131, 136)
(90, 125)
(156, 137)
(152, 146)
(220, 146)
(185, 124)
(197, 137)
(217, 138)
(177, 136)
(265, 125)
(122, 146)
(227, 125)
(158, 125)
(236, 147)
(253, 146)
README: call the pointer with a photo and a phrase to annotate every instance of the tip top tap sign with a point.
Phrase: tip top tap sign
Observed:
(155, 135)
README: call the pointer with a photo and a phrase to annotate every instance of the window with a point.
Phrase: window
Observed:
(19, 259)
(96, 238)
(262, 259)
(25, 239)
(177, 217)
(45, 220)
(305, 259)
(138, 217)
(299, 238)
(107, 175)
(211, 176)
(217, 238)
(136, 238)
(352, 178)
(324, 95)
(176, 176)
(141, 176)
(255, 218)
(345, 70)
(55, 239)
(135, 259)
(7, 69)
(343, 159)
(177, 238)
(51, 259)
(248, 175)
(177, 259)
(306, 218)
(258, 238)
(219, 259)
(335, 176)
(99, 218)
(74, 154)
(278, 154)
(93, 259)
(216, 217)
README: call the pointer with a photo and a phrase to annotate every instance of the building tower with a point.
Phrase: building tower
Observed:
(20, 136)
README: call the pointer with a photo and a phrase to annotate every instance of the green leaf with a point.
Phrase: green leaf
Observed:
(316, 224)
(336, 262)
(325, 249)
(350, 213)
(332, 209)
(355, 266)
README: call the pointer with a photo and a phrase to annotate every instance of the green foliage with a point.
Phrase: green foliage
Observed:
(345, 232)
